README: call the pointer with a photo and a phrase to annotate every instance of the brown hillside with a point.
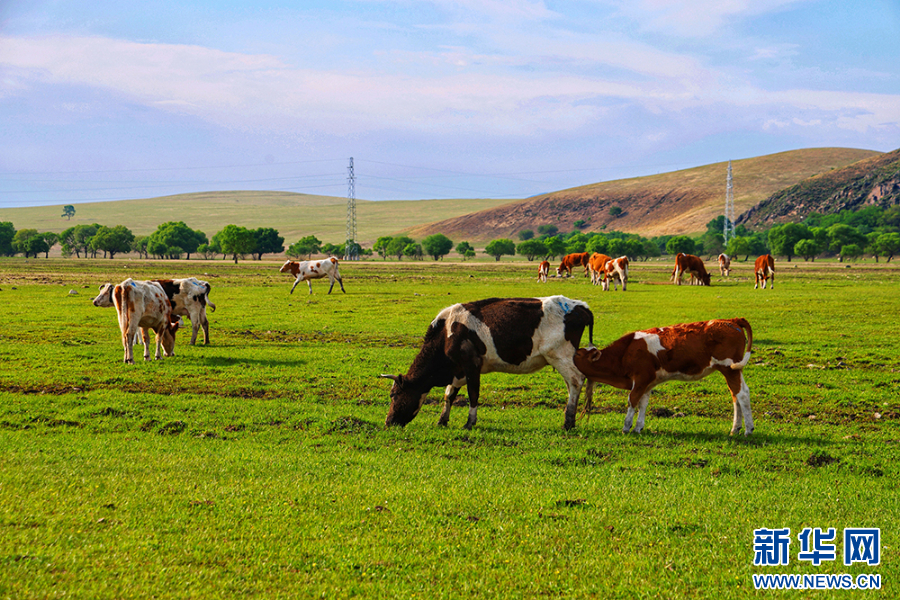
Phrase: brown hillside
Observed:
(871, 182)
(680, 202)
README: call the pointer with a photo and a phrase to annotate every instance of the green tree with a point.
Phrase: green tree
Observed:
(807, 248)
(7, 233)
(680, 243)
(463, 248)
(333, 249)
(267, 242)
(598, 244)
(139, 245)
(717, 225)
(500, 247)
(850, 251)
(381, 245)
(739, 245)
(173, 238)
(20, 241)
(783, 238)
(35, 245)
(526, 234)
(580, 224)
(556, 246)
(840, 235)
(577, 243)
(68, 212)
(437, 246)
(414, 250)
(548, 230)
(615, 212)
(889, 244)
(398, 245)
(532, 249)
(236, 241)
(51, 239)
(713, 242)
(113, 240)
(82, 239)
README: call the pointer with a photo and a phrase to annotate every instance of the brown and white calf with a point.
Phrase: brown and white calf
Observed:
(314, 269)
(142, 306)
(543, 271)
(724, 265)
(616, 269)
(597, 266)
(188, 298)
(641, 360)
(688, 263)
(506, 335)
(570, 261)
(764, 268)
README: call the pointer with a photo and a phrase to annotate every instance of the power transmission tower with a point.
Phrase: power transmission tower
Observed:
(351, 250)
(729, 207)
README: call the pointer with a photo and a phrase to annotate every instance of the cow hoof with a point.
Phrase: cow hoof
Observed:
(442, 423)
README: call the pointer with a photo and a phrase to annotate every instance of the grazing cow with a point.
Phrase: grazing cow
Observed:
(724, 265)
(543, 271)
(314, 269)
(688, 263)
(616, 269)
(597, 265)
(144, 305)
(188, 297)
(570, 261)
(764, 268)
(642, 360)
(507, 335)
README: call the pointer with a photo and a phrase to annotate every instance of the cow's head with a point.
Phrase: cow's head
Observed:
(168, 340)
(405, 402)
(286, 267)
(584, 359)
(705, 278)
(104, 298)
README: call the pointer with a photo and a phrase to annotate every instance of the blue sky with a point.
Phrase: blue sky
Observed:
(434, 99)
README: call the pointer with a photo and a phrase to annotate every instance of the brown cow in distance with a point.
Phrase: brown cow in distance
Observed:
(314, 269)
(763, 269)
(640, 361)
(724, 265)
(597, 266)
(543, 271)
(688, 263)
(570, 261)
(616, 270)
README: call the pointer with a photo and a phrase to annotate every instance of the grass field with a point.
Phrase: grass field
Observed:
(259, 467)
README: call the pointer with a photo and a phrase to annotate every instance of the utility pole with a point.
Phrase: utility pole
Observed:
(729, 207)
(351, 250)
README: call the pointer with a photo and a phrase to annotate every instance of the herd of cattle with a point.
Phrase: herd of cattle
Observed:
(508, 335)
(604, 269)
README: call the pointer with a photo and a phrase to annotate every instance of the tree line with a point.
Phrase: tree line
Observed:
(848, 234)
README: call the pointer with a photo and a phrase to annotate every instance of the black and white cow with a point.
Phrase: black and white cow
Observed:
(507, 335)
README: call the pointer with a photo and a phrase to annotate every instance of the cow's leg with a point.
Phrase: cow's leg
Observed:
(740, 396)
(204, 322)
(772, 287)
(331, 287)
(642, 412)
(574, 381)
(309, 283)
(195, 326)
(637, 400)
(296, 281)
(159, 337)
(757, 281)
(473, 386)
(145, 340)
(449, 398)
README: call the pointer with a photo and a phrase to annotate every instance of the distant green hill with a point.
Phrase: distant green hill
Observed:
(293, 215)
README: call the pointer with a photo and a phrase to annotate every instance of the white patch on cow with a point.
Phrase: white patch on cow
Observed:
(654, 346)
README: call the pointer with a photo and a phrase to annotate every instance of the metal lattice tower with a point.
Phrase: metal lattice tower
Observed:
(729, 207)
(351, 251)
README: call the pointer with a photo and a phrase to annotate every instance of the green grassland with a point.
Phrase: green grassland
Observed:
(259, 466)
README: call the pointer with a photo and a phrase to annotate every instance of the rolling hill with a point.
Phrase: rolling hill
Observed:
(680, 202)
(871, 182)
(293, 215)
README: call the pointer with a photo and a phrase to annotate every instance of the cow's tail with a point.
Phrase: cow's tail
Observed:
(210, 304)
(748, 331)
